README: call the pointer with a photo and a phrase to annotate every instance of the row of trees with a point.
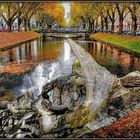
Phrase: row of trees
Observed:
(93, 14)
(45, 14)
(50, 14)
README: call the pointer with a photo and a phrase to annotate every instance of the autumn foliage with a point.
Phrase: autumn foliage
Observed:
(18, 68)
(125, 127)
(56, 10)
(49, 15)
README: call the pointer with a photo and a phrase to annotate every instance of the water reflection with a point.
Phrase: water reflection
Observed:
(66, 50)
(34, 51)
(115, 60)
(52, 56)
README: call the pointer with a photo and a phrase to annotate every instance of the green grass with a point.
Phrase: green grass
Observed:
(131, 44)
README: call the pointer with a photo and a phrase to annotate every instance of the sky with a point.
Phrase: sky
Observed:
(67, 9)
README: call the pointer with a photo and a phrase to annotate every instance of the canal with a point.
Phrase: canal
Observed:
(53, 58)
(114, 59)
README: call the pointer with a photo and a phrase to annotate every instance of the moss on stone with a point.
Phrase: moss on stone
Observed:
(76, 65)
(81, 116)
(78, 117)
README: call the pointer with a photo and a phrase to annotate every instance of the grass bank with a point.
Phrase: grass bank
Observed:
(11, 39)
(126, 42)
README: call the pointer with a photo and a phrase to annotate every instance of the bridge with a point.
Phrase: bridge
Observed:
(64, 34)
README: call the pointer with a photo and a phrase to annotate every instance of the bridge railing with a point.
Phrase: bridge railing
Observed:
(46, 31)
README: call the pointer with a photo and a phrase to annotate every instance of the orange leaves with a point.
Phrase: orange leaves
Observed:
(13, 38)
(18, 68)
(128, 126)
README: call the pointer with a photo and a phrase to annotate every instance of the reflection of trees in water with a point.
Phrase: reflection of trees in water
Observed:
(11, 55)
(119, 70)
(119, 52)
(90, 48)
(30, 51)
(115, 60)
(111, 49)
(20, 53)
(114, 68)
(132, 63)
(26, 51)
(132, 59)
(105, 48)
(43, 52)
(101, 50)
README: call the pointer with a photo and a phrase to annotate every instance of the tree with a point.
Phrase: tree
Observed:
(85, 14)
(80, 15)
(122, 12)
(101, 10)
(133, 8)
(11, 10)
(53, 13)
(21, 11)
(111, 12)
(31, 9)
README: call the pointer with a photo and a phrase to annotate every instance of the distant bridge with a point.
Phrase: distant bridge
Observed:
(61, 34)
(57, 31)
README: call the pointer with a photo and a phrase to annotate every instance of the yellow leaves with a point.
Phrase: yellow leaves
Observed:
(80, 11)
(56, 10)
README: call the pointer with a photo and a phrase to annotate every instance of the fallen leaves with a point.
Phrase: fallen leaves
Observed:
(12, 38)
(18, 68)
(125, 127)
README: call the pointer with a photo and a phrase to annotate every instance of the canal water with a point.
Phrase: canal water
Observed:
(54, 57)
(114, 59)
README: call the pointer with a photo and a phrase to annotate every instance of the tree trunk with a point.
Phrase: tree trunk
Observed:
(106, 23)
(102, 25)
(92, 24)
(84, 25)
(29, 25)
(134, 25)
(112, 26)
(49, 26)
(37, 25)
(25, 24)
(89, 25)
(19, 23)
(96, 23)
(120, 24)
(9, 24)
